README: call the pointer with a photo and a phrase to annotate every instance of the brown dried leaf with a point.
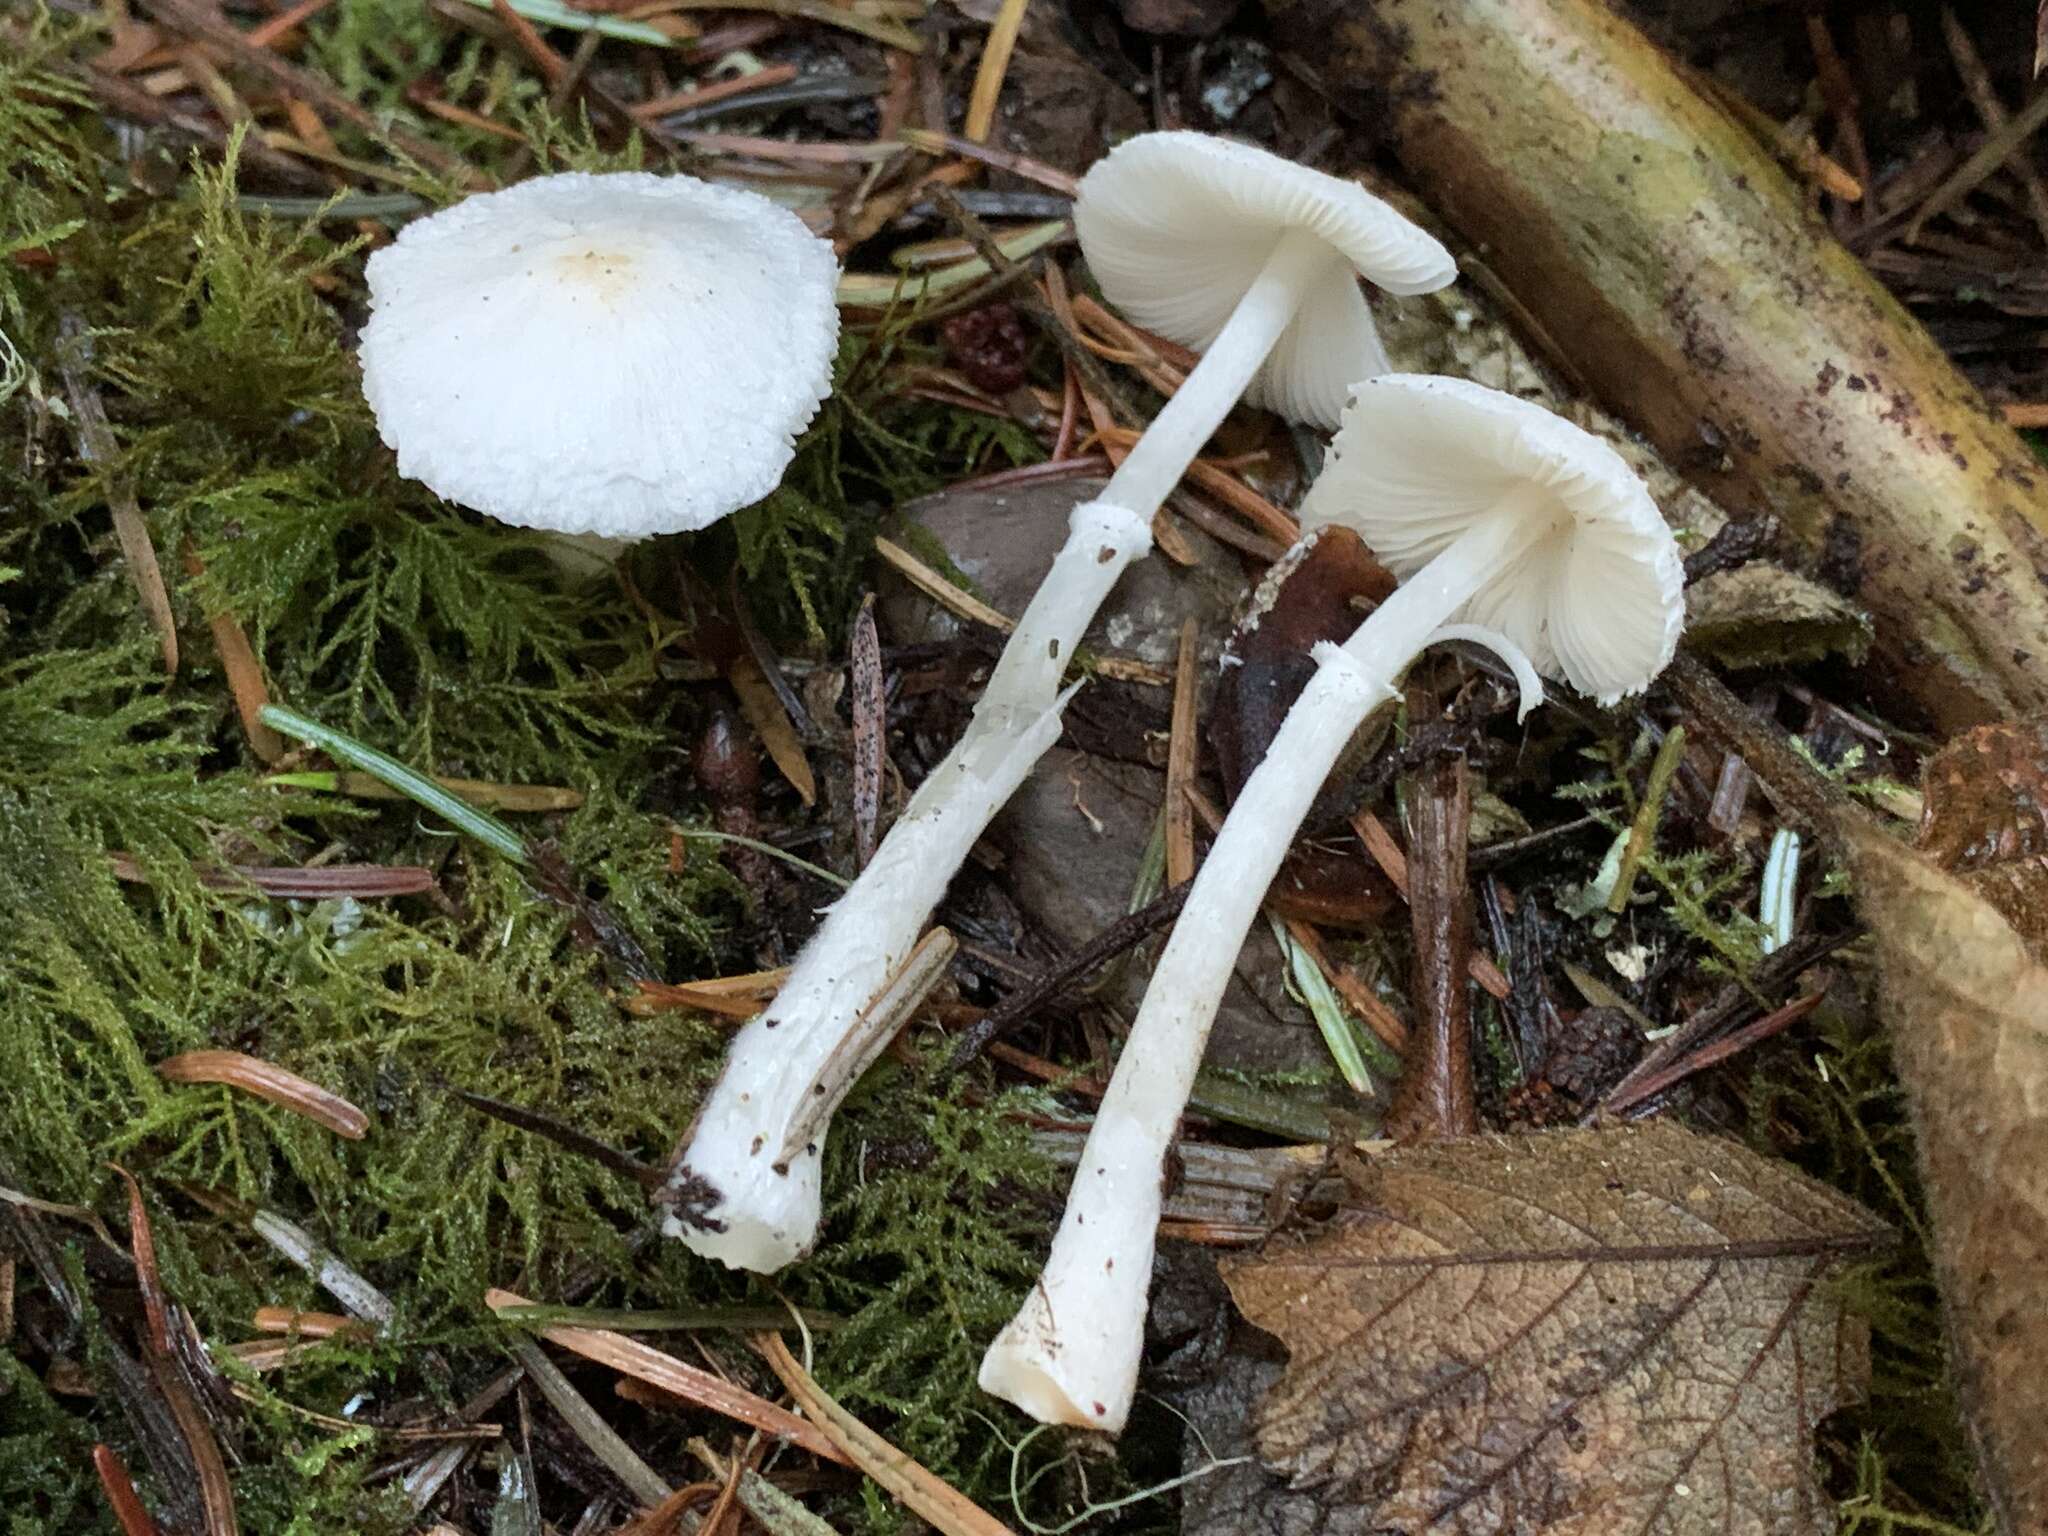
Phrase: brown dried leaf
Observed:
(1584, 1331)
(1968, 1008)
(1986, 820)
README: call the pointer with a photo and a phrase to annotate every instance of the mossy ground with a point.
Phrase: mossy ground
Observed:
(219, 339)
(220, 342)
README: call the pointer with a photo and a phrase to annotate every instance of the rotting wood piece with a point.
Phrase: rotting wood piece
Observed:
(1705, 304)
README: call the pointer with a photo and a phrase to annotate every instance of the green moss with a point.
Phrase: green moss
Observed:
(219, 344)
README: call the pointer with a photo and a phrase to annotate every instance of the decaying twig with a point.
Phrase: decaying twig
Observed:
(1435, 1100)
(1098, 951)
(1816, 397)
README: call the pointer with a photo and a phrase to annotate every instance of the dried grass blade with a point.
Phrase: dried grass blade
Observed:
(995, 66)
(328, 1271)
(956, 600)
(269, 1082)
(671, 1375)
(923, 1494)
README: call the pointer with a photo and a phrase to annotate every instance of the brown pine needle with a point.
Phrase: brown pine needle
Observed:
(310, 1325)
(718, 90)
(244, 673)
(644, 1363)
(129, 1511)
(271, 1083)
(925, 1495)
(665, 997)
(935, 143)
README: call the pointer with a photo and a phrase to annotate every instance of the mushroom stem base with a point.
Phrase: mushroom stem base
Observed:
(1071, 1354)
(742, 1193)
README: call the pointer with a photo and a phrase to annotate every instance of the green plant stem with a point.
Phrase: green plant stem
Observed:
(1643, 832)
(459, 813)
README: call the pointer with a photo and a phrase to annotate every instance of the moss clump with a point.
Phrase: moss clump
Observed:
(219, 343)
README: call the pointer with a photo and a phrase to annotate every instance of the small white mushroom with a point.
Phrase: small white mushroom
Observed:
(1221, 246)
(1493, 511)
(620, 355)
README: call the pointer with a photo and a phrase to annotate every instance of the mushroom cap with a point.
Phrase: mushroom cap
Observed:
(1177, 225)
(623, 355)
(1599, 601)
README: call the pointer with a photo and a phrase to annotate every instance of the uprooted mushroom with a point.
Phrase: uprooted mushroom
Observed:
(1509, 526)
(1216, 245)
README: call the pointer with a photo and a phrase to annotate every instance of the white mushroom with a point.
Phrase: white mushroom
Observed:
(618, 355)
(1493, 510)
(1221, 246)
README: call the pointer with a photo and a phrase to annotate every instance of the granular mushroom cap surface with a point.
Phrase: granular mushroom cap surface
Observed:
(622, 354)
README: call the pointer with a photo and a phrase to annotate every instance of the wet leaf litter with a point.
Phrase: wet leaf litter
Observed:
(420, 1000)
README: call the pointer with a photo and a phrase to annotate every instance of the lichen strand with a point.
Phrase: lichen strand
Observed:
(220, 348)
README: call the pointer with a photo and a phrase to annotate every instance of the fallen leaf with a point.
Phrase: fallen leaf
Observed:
(1322, 590)
(1582, 1331)
(1985, 819)
(1967, 1004)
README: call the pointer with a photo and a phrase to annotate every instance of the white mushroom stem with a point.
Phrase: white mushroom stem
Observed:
(1070, 1356)
(745, 1195)
(740, 1195)
(1031, 664)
